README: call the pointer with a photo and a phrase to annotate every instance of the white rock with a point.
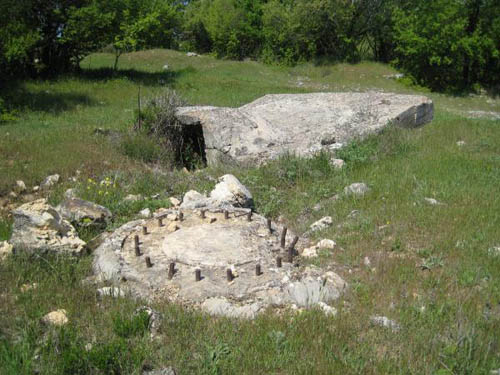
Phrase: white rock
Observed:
(50, 181)
(56, 318)
(432, 201)
(337, 163)
(146, 213)
(5, 250)
(326, 244)
(230, 191)
(192, 54)
(192, 199)
(367, 262)
(20, 186)
(357, 188)
(110, 291)
(328, 310)
(70, 193)
(174, 201)
(385, 322)
(321, 224)
(12, 195)
(310, 252)
(222, 307)
(165, 67)
(461, 143)
(494, 251)
(36, 189)
(133, 198)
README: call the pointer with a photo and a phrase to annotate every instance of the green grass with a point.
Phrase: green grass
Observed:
(430, 266)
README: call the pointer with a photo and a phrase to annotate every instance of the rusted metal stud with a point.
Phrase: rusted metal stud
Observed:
(283, 236)
(136, 246)
(226, 214)
(181, 216)
(229, 275)
(258, 271)
(202, 214)
(171, 270)
(294, 242)
(290, 255)
(144, 230)
(269, 225)
(160, 222)
(148, 262)
(249, 215)
(197, 275)
(278, 262)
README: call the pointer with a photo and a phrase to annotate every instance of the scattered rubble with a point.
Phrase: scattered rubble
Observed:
(20, 187)
(5, 250)
(38, 227)
(84, 213)
(433, 202)
(146, 213)
(321, 224)
(337, 163)
(133, 198)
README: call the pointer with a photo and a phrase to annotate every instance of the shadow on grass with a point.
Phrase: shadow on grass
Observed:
(136, 76)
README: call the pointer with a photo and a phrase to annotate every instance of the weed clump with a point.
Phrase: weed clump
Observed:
(167, 139)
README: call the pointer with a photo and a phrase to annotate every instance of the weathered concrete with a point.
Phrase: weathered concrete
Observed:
(84, 213)
(302, 124)
(213, 245)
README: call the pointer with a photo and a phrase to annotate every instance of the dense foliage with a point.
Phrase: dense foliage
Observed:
(442, 44)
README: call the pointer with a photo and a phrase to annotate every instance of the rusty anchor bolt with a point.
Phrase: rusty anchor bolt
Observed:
(269, 225)
(229, 275)
(197, 275)
(136, 243)
(290, 255)
(249, 215)
(291, 249)
(226, 214)
(202, 214)
(278, 262)
(283, 236)
(258, 271)
(181, 216)
(144, 230)
(148, 262)
(160, 222)
(171, 270)
(294, 242)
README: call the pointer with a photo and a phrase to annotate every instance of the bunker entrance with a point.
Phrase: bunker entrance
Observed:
(190, 147)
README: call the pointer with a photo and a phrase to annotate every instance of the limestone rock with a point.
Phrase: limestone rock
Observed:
(70, 193)
(357, 189)
(432, 202)
(56, 318)
(20, 187)
(5, 250)
(312, 251)
(328, 310)
(146, 213)
(133, 198)
(385, 322)
(174, 201)
(84, 213)
(36, 189)
(192, 54)
(337, 163)
(50, 181)
(38, 227)
(13, 195)
(192, 199)
(321, 224)
(301, 124)
(230, 191)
